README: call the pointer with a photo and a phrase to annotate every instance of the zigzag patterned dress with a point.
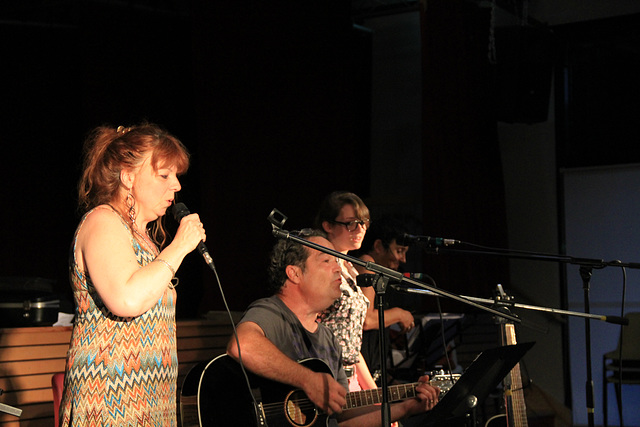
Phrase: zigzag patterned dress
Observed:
(120, 371)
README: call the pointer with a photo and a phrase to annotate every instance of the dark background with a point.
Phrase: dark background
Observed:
(271, 100)
(274, 103)
(274, 100)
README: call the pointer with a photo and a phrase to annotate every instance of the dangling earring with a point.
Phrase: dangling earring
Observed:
(130, 202)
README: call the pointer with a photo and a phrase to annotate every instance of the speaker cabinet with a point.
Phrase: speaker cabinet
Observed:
(524, 57)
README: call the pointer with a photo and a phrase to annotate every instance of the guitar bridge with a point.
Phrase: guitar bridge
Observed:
(260, 417)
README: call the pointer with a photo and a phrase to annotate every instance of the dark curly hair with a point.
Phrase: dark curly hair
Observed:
(289, 252)
(388, 228)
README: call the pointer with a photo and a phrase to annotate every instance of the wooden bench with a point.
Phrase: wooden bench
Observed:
(30, 356)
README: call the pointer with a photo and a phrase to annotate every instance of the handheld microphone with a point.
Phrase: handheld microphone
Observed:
(410, 239)
(180, 210)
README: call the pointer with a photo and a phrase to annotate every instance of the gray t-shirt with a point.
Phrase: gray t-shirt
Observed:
(282, 327)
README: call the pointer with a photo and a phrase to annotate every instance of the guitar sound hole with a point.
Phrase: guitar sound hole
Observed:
(299, 409)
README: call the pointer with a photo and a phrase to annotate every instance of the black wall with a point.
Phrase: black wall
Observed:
(273, 102)
(598, 101)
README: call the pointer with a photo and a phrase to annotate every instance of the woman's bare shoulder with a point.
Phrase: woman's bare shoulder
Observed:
(102, 220)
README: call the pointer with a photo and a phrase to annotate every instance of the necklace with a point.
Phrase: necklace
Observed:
(147, 241)
(143, 239)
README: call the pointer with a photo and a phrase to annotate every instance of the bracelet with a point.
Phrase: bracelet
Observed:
(173, 271)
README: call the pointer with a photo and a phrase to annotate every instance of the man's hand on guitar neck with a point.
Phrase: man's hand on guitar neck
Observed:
(426, 399)
(325, 392)
(369, 416)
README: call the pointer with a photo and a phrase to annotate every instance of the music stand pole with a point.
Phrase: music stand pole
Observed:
(585, 274)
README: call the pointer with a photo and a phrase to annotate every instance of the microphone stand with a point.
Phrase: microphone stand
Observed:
(504, 302)
(384, 274)
(586, 266)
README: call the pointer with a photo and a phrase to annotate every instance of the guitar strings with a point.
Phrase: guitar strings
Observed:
(304, 404)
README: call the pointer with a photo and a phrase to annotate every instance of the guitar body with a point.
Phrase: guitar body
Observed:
(499, 420)
(224, 398)
(189, 396)
(216, 394)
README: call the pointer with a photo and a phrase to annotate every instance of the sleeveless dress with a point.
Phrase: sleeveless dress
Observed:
(120, 371)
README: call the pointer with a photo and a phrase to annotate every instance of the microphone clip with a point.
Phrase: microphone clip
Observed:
(277, 220)
(431, 242)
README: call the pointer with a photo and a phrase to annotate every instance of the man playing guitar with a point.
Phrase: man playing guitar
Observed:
(277, 332)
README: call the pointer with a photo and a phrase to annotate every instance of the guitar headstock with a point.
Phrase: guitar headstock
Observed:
(444, 381)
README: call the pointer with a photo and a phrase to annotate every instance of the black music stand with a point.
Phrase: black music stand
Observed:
(421, 348)
(479, 379)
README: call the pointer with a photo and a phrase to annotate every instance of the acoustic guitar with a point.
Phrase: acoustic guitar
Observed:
(216, 394)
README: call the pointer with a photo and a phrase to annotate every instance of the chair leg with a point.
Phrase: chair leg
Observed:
(605, 409)
(618, 387)
(57, 385)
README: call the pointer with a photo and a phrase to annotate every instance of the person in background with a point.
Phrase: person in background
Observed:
(345, 219)
(277, 332)
(384, 245)
(122, 362)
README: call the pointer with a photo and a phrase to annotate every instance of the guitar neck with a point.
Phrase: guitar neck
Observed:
(357, 399)
(514, 395)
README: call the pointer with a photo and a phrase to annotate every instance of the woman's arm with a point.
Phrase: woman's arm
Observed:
(391, 315)
(104, 252)
(364, 375)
